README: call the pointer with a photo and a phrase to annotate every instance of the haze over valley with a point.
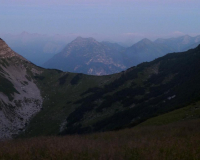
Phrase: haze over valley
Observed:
(88, 56)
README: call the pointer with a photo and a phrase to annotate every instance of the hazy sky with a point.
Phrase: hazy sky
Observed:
(103, 19)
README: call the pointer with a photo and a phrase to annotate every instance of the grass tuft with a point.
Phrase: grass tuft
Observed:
(176, 141)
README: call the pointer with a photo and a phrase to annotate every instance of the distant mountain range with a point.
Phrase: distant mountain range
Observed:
(181, 43)
(95, 58)
(86, 55)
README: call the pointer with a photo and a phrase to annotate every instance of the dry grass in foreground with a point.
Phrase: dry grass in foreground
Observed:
(178, 141)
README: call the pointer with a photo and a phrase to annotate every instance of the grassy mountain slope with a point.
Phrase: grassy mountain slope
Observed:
(190, 112)
(60, 91)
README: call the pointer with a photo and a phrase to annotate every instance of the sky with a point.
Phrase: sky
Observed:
(114, 20)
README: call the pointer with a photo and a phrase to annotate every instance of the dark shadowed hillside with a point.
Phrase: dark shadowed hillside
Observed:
(141, 92)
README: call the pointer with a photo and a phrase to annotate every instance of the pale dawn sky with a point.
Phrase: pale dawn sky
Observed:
(103, 19)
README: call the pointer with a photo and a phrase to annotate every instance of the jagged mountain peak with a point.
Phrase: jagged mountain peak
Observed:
(187, 36)
(145, 40)
(142, 43)
(81, 39)
(82, 42)
(6, 51)
(2, 41)
(186, 39)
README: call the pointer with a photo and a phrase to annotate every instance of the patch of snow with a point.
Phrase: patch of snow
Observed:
(172, 97)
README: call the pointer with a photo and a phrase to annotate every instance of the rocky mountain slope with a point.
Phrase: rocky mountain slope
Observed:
(71, 103)
(20, 98)
(86, 55)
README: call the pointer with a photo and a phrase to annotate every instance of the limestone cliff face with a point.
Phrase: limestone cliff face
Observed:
(20, 97)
